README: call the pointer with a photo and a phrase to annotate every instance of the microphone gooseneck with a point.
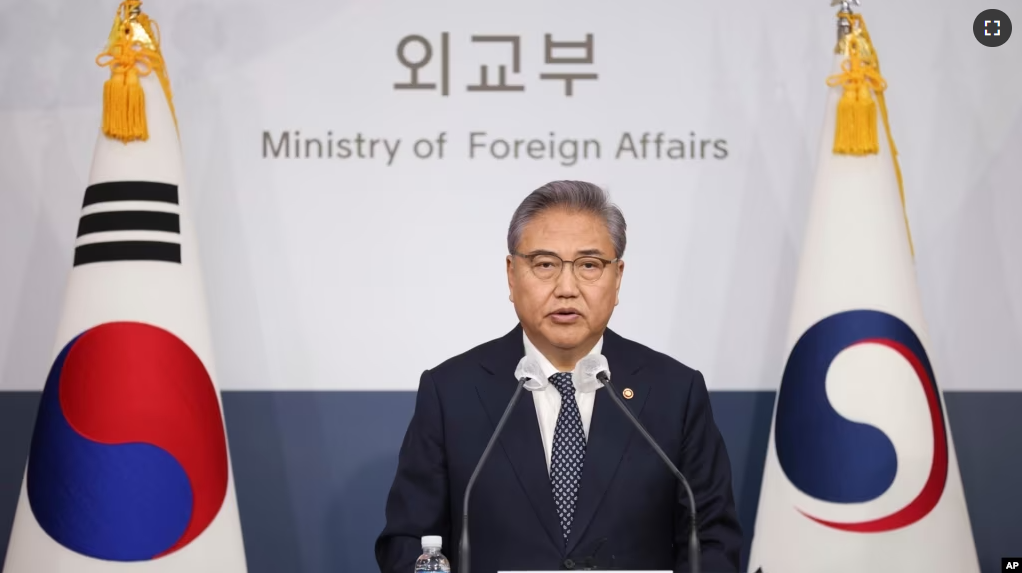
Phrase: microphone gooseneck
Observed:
(693, 538)
(463, 551)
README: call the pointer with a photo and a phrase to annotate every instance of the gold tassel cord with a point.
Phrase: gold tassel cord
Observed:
(856, 129)
(133, 51)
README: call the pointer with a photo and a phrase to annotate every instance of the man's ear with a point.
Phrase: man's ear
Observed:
(617, 286)
(510, 263)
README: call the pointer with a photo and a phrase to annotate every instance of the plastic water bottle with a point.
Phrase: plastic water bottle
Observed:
(431, 558)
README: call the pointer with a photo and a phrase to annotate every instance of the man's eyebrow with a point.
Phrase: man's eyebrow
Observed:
(581, 253)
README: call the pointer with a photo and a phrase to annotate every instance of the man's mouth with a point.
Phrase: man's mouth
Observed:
(565, 315)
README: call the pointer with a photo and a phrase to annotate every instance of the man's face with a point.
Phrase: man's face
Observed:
(564, 311)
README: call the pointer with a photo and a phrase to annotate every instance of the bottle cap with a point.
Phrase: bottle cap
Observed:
(432, 542)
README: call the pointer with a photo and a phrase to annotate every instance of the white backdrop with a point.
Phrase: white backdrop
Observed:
(357, 274)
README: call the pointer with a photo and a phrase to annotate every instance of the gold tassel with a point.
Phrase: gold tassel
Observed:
(856, 129)
(863, 104)
(133, 52)
(124, 107)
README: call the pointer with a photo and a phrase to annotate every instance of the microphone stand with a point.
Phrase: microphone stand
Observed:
(463, 553)
(693, 539)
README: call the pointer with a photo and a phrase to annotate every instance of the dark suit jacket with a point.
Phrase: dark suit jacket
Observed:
(628, 514)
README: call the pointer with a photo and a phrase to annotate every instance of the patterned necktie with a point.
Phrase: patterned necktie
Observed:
(569, 451)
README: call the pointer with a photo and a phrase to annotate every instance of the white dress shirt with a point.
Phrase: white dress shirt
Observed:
(548, 400)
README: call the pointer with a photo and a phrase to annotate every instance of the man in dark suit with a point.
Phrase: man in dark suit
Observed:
(570, 483)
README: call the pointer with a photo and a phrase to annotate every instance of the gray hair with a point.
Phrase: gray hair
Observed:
(577, 196)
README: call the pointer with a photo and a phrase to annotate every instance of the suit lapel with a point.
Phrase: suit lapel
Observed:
(520, 440)
(609, 433)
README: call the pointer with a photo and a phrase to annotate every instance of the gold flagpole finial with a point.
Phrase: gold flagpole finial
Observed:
(133, 51)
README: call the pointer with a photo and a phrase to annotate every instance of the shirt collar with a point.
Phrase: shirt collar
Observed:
(547, 367)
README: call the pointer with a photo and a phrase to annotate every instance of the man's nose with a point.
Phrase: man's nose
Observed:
(567, 285)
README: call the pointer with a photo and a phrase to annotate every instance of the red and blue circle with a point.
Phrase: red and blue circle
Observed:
(128, 460)
(833, 459)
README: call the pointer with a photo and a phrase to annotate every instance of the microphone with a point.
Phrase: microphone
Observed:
(595, 366)
(529, 376)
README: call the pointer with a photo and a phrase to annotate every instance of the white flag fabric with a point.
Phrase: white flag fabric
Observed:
(861, 473)
(129, 469)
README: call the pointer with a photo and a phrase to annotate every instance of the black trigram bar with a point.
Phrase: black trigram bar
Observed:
(130, 191)
(127, 251)
(129, 221)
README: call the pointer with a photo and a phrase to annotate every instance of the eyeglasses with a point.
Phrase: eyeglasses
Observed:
(588, 269)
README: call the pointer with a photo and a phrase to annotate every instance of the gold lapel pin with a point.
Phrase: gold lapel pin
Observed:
(627, 393)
